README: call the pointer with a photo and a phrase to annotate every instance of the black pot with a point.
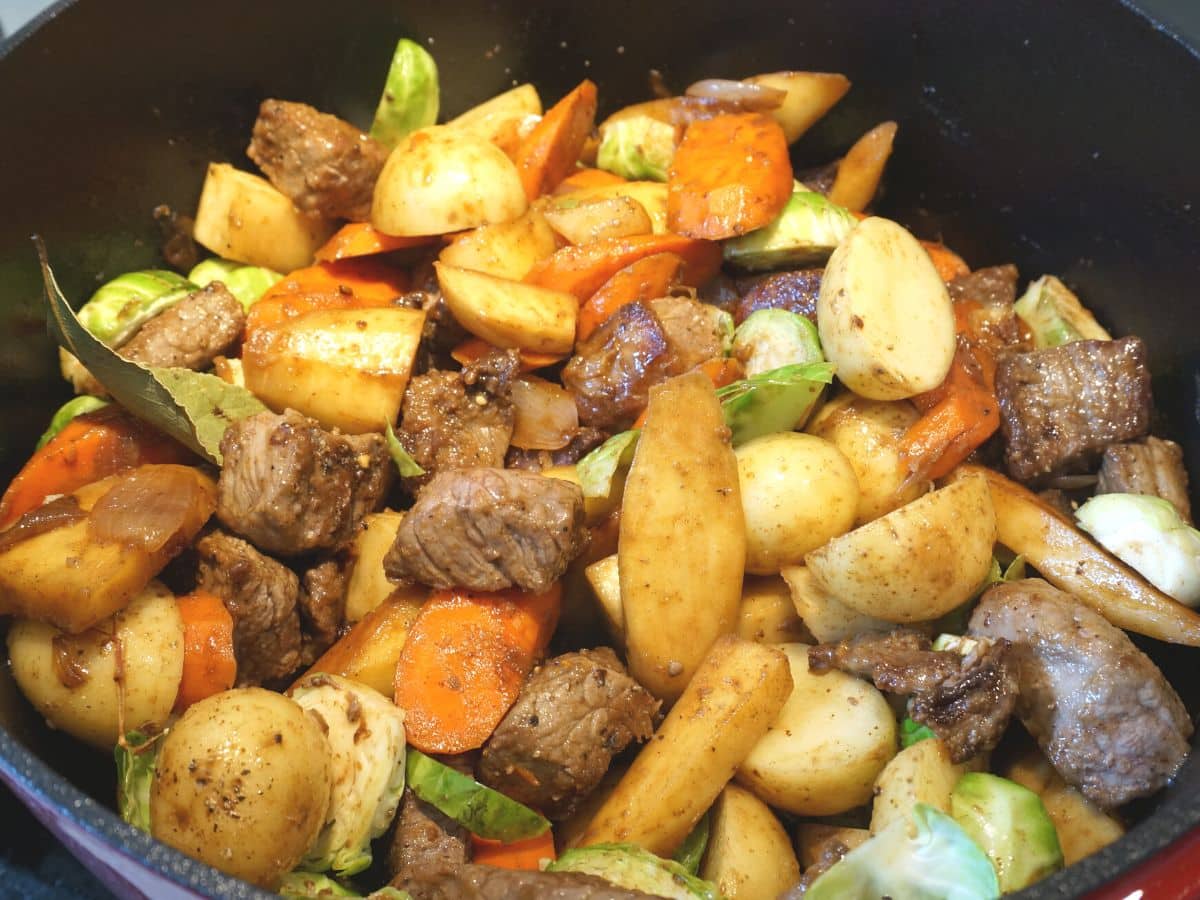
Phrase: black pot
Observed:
(1061, 136)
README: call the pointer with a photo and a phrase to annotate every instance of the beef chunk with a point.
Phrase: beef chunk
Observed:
(614, 369)
(573, 716)
(832, 853)
(327, 166)
(190, 334)
(290, 486)
(426, 841)
(441, 332)
(691, 329)
(489, 883)
(1060, 407)
(322, 605)
(1101, 711)
(795, 291)
(260, 593)
(179, 248)
(582, 442)
(489, 530)
(455, 420)
(991, 293)
(1154, 467)
(965, 700)
(820, 178)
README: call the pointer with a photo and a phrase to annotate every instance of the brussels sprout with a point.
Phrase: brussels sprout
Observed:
(691, 852)
(405, 464)
(778, 400)
(807, 231)
(631, 867)
(1147, 533)
(598, 470)
(309, 886)
(366, 739)
(928, 858)
(247, 283)
(123, 305)
(137, 760)
(1055, 315)
(410, 94)
(639, 148)
(913, 732)
(69, 410)
(773, 338)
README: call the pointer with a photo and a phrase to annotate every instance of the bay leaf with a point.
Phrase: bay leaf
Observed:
(407, 466)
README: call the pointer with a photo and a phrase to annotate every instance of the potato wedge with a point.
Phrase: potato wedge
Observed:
(884, 314)
(502, 119)
(510, 313)
(244, 218)
(368, 586)
(682, 547)
(650, 195)
(827, 745)
(605, 578)
(369, 651)
(809, 96)
(823, 614)
(921, 773)
(917, 562)
(749, 854)
(439, 180)
(506, 249)
(347, 368)
(813, 837)
(766, 614)
(581, 221)
(728, 705)
(861, 170)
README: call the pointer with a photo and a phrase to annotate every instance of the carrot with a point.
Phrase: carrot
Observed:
(361, 239)
(209, 666)
(465, 660)
(645, 279)
(551, 150)
(731, 174)
(722, 371)
(346, 284)
(582, 269)
(949, 264)
(526, 854)
(585, 179)
(474, 349)
(90, 447)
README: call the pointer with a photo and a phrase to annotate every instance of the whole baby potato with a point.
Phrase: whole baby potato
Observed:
(243, 784)
(798, 492)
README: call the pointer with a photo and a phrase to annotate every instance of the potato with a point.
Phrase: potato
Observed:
(868, 432)
(605, 578)
(503, 118)
(823, 614)
(583, 221)
(244, 218)
(509, 313)
(798, 492)
(369, 651)
(71, 679)
(884, 314)
(809, 96)
(439, 180)
(824, 750)
(595, 509)
(369, 586)
(681, 549)
(921, 773)
(507, 249)
(813, 837)
(916, 563)
(736, 693)
(650, 195)
(749, 854)
(242, 784)
(860, 171)
(347, 368)
(767, 614)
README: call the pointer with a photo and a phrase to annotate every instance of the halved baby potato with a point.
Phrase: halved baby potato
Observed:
(510, 313)
(583, 221)
(505, 249)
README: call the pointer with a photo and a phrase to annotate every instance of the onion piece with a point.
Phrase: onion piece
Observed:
(545, 414)
(750, 97)
(153, 506)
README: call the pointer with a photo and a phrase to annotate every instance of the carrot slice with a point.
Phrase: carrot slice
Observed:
(586, 179)
(361, 239)
(346, 284)
(582, 270)
(949, 264)
(90, 447)
(550, 152)
(731, 174)
(645, 279)
(209, 666)
(464, 663)
(526, 854)
(474, 349)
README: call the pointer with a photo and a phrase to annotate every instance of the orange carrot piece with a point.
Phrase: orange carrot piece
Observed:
(361, 239)
(466, 659)
(949, 432)
(474, 349)
(731, 174)
(209, 666)
(949, 264)
(582, 269)
(645, 279)
(586, 179)
(550, 152)
(526, 854)
(90, 447)
(346, 284)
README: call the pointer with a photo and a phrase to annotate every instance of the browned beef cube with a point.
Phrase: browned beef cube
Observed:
(796, 291)
(190, 334)
(1155, 467)
(426, 841)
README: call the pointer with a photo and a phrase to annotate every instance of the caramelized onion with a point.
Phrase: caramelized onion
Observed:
(545, 414)
(152, 506)
(750, 97)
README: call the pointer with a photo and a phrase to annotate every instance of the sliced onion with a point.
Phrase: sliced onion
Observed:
(151, 506)
(750, 97)
(546, 417)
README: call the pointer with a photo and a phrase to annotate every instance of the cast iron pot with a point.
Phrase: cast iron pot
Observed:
(1060, 136)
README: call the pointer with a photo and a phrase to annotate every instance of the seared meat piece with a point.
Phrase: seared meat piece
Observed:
(583, 442)
(426, 841)
(190, 334)
(488, 530)
(1060, 407)
(322, 605)
(1154, 467)
(1100, 710)
(260, 593)
(614, 369)
(832, 853)
(795, 291)
(820, 178)
(327, 166)
(179, 248)
(966, 700)
(456, 420)
(489, 883)
(574, 714)
(991, 293)
(690, 329)
(441, 332)
(290, 486)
